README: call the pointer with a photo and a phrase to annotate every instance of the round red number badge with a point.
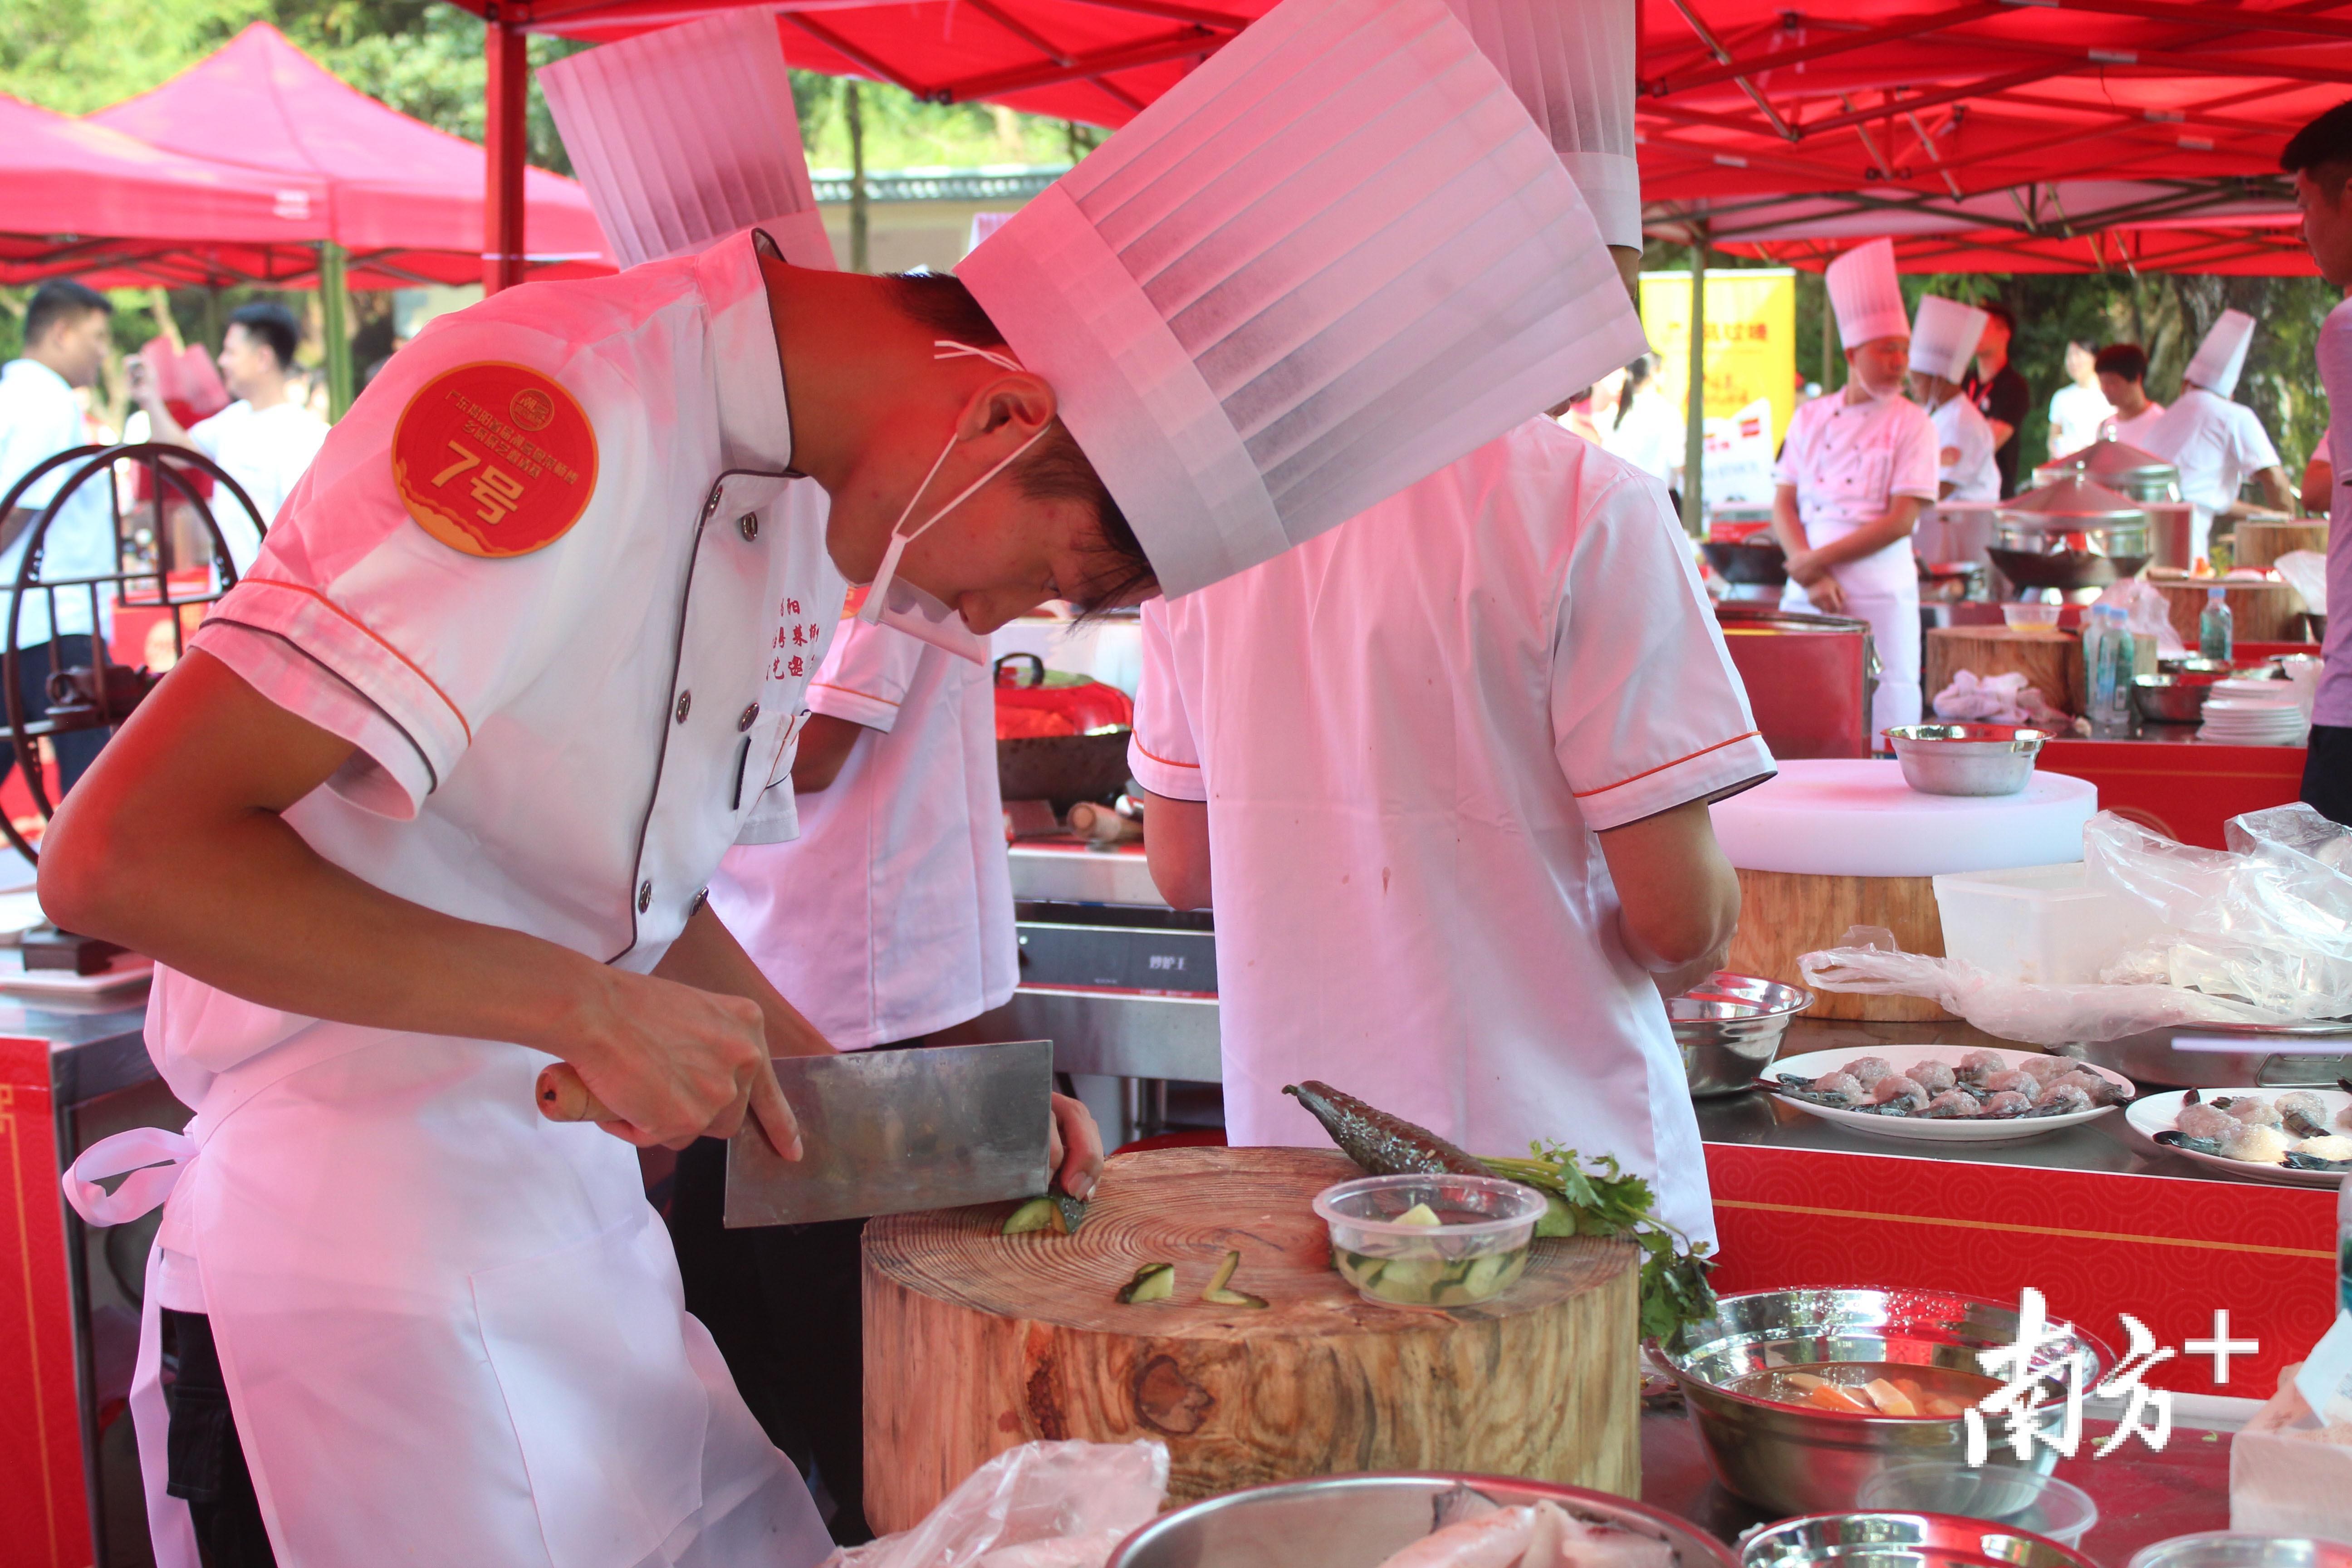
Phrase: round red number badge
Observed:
(494, 459)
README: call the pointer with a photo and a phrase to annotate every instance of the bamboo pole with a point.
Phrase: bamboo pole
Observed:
(334, 326)
(853, 113)
(1694, 431)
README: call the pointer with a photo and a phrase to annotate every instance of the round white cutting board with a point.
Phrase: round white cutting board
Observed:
(1840, 817)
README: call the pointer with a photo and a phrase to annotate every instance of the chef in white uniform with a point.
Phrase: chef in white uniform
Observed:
(1854, 470)
(1944, 335)
(888, 919)
(440, 783)
(2217, 445)
(1460, 845)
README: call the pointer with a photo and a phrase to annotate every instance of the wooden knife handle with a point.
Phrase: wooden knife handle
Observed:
(564, 1096)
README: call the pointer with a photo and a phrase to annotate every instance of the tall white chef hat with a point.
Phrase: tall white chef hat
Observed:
(1336, 258)
(685, 135)
(1865, 296)
(1944, 336)
(2222, 354)
(1572, 66)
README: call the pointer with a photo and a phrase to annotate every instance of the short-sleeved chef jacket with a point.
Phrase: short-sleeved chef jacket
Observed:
(2218, 445)
(1961, 431)
(1848, 462)
(890, 916)
(1407, 732)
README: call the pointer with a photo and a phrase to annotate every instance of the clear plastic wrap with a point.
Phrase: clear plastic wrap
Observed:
(1041, 1505)
(2259, 934)
(2147, 613)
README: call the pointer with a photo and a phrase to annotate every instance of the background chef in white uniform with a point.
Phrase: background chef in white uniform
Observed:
(1443, 772)
(2079, 408)
(1856, 469)
(2121, 370)
(889, 920)
(1944, 335)
(2216, 444)
(453, 767)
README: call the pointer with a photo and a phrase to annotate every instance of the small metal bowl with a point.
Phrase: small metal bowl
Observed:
(1902, 1541)
(1729, 1029)
(2171, 698)
(1966, 759)
(1792, 1458)
(2191, 664)
(1350, 1522)
(2238, 1549)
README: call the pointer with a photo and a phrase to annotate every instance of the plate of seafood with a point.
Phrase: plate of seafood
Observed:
(1944, 1094)
(2303, 1136)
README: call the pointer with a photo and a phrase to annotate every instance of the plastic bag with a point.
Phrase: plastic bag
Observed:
(2306, 571)
(1041, 1505)
(1996, 699)
(2259, 934)
(2147, 611)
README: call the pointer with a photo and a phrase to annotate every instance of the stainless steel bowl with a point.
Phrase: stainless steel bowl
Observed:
(2237, 1549)
(2189, 664)
(2169, 699)
(1729, 1029)
(1966, 759)
(1903, 1541)
(1352, 1521)
(1794, 1459)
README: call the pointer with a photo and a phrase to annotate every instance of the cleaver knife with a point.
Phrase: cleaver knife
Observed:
(893, 1131)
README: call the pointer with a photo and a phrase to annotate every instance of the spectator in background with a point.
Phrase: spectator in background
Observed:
(67, 328)
(2121, 372)
(265, 439)
(2000, 393)
(1645, 430)
(2078, 408)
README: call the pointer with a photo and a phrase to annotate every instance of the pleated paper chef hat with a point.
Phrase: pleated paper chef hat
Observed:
(1330, 261)
(1571, 63)
(687, 135)
(1944, 337)
(2223, 355)
(1865, 296)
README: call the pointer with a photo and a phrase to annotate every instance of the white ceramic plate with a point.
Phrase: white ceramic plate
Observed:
(127, 970)
(2157, 1112)
(1925, 1129)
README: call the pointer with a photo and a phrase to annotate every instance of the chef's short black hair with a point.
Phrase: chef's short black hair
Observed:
(61, 300)
(2324, 147)
(2129, 361)
(1056, 469)
(2000, 314)
(270, 323)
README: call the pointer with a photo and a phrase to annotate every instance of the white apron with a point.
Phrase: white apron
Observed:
(1883, 589)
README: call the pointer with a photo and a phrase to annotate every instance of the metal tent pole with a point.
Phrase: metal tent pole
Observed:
(505, 92)
(854, 113)
(1695, 435)
(334, 325)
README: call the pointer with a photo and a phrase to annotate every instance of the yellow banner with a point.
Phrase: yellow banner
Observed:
(1751, 339)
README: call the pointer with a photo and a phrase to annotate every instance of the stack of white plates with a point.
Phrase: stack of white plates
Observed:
(2254, 721)
(2256, 686)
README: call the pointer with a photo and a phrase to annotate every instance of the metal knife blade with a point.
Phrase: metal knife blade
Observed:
(892, 1132)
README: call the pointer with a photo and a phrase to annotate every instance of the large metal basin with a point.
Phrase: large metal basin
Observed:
(1358, 1521)
(1729, 1027)
(1792, 1460)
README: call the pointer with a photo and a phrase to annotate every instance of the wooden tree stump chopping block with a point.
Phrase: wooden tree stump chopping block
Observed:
(977, 1342)
(2259, 611)
(2050, 661)
(1784, 915)
(2261, 541)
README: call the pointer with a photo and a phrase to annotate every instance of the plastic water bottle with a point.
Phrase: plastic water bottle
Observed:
(2108, 660)
(2216, 628)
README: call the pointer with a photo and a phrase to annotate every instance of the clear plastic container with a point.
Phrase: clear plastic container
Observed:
(2239, 1549)
(1479, 1248)
(2039, 925)
(2008, 1494)
(2032, 617)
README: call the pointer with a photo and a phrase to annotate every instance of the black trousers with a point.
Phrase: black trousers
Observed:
(781, 1302)
(205, 1463)
(2328, 773)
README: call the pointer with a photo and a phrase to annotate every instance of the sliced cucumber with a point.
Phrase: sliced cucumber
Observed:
(1037, 1214)
(1152, 1282)
(1486, 1274)
(1420, 1214)
(1068, 1212)
(1557, 1220)
(1217, 1291)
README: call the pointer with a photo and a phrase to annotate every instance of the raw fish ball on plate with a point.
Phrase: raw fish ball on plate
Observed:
(2253, 1141)
(2011, 1077)
(2204, 1122)
(2041, 1069)
(1953, 1102)
(1933, 1076)
(2302, 1103)
(2063, 1099)
(1841, 1083)
(1982, 1063)
(2007, 1102)
(1894, 1088)
(1870, 1069)
(2334, 1147)
(2254, 1111)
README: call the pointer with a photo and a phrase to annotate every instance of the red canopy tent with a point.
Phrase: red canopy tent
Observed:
(1945, 121)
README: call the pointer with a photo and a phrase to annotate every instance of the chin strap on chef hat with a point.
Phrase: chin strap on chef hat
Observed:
(1334, 258)
(685, 136)
(1865, 296)
(1944, 337)
(2223, 355)
(1572, 67)
(879, 596)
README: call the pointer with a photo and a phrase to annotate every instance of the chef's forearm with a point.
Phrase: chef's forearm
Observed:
(1786, 526)
(707, 956)
(1678, 897)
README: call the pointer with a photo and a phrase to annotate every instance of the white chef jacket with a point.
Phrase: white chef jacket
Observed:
(1407, 732)
(39, 417)
(2133, 432)
(2218, 445)
(265, 451)
(2334, 705)
(453, 1330)
(1849, 461)
(2077, 412)
(1961, 431)
(890, 916)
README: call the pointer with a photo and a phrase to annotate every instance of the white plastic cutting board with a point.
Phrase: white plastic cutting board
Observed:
(1853, 817)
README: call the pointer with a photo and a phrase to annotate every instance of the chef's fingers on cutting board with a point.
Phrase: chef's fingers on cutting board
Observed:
(1076, 1149)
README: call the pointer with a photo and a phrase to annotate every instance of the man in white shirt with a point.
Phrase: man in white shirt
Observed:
(889, 920)
(2121, 371)
(2319, 156)
(2078, 408)
(2219, 445)
(67, 329)
(265, 439)
(1943, 341)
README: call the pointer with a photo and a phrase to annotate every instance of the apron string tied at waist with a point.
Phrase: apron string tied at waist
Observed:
(154, 1158)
